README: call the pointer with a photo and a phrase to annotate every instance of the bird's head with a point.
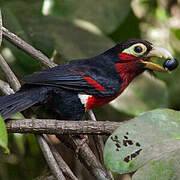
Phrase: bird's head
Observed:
(133, 57)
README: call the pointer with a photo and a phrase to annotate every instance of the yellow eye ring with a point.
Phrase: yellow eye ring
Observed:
(136, 49)
(139, 48)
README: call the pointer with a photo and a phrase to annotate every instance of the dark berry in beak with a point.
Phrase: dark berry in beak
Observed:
(170, 64)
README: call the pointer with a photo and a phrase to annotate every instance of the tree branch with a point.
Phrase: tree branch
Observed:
(5, 88)
(61, 163)
(85, 155)
(50, 158)
(99, 144)
(27, 48)
(12, 79)
(58, 127)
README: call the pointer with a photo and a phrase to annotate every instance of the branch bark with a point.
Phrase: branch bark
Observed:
(86, 156)
(5, 88)
(27, 48)
(99, 144)
(50, 158)
(12, 79)
(59, 127)
(61, 163)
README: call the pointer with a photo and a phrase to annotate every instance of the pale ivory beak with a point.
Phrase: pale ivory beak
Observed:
(159, 53)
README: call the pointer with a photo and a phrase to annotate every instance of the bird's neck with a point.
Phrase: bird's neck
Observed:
(128, 71)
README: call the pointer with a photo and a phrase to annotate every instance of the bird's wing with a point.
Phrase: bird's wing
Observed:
(81, 78)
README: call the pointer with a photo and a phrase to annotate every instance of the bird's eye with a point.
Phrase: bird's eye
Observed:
(138, 49)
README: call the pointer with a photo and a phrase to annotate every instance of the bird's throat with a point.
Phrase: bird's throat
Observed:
(128, 71)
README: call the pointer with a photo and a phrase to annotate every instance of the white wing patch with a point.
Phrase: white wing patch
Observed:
(83, 98)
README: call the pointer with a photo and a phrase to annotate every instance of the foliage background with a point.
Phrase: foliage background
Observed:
(79, 29)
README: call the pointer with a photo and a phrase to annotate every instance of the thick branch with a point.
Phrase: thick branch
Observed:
(27, 48)
(49, 126)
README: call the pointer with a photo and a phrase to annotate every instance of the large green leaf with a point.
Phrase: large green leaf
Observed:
(3, 136)
(163, 168)
(134, 139)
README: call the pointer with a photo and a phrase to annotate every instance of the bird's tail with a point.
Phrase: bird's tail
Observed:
(22, 100)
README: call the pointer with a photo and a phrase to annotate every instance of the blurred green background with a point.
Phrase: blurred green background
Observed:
(68, 29)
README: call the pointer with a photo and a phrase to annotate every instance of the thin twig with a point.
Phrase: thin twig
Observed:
(12, 79)
(5, 88)
(61, 163)
(85, 155)
(52, 126)
(50, 158)
(99, 143)
(27, 48)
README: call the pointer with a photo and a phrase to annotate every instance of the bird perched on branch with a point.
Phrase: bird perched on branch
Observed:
(80, 85)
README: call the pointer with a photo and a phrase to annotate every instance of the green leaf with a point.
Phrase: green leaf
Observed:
(166, 168)
(3, 136)
(134, 139)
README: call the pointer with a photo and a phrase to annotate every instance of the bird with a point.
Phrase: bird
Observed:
(83, 84)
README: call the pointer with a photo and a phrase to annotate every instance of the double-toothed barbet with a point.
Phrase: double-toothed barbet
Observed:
(80, 85)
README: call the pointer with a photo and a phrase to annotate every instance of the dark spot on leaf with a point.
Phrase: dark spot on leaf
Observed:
(127, 133)
(133, 155)
(127, 159)
(129, 142)
(138, 151)
(124, 142)
(118, 145)
(125, 137)
(138, 144)
(117, 149)
(115, 137)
